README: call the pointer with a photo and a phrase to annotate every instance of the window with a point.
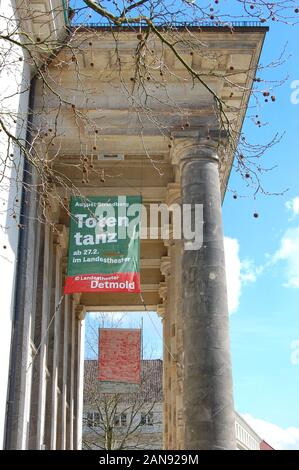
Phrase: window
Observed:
(147, 418)
(89, 420)
(116, 420)
(150, 418)
(120, 420)
(143, 419)
(97, 419)
(123, 419)
(93, 419)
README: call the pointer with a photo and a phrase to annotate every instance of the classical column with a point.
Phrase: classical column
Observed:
(56, 348)
(44, 314)
(36, 337)
(179, 348)
(53, 339)
(71, 375)
(171, 347)
(173, 201)
(80, 379)
(170, 318)
(207, 390)
(22, 351)
(78, 375)
(60, 245)
(161, 311)
(163, 291)
(63, 383)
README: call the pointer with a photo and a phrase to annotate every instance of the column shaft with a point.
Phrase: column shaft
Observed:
(63, 379)
(79, 411)
(71, 373)
(208, 398)
(37, 419)
(171, 318)
(57, 319)
(178, 344)
(166, 384)
(78, 375)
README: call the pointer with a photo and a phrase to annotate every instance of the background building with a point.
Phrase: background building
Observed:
(123, 420)
(265, 446)
(147, 407)
(247, 438)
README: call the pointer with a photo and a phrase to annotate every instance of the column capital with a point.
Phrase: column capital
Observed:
(60, 236)
(163, 291)
(165, 266)
(161, 310)
(76, 299)
(186, 150)
(80, 312)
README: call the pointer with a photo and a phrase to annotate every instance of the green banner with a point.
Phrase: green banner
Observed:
(104, 244)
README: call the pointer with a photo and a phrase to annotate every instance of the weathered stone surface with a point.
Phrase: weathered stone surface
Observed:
(208, 398)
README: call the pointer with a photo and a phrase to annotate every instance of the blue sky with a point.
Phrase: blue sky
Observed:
(265, 317)
(267, 320)
(152, 331)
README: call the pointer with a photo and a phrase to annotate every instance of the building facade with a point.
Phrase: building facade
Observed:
(22, 23)
(16, 73)
(247, 438)
(11, 190)
(134, 420)
(137, 422)
(265, 446)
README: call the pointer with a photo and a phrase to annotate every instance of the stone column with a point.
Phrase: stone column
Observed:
(80, 380)
(179, 349)
(42, 358)
(171, 347)
(170, 317)
(21, 352)
(173, 201)
(78, 375)
(207, 390)
(165, 270)
(53, 339)
(71, 373)
(36, 337)
(57, 319)
(63, 385)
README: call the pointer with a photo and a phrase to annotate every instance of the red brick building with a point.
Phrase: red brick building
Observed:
(265, 446)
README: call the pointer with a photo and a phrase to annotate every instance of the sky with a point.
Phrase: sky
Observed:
(262, 257)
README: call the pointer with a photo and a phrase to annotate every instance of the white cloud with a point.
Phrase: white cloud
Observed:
(278, 437)
(293, 206)
(295, 353)
(289, 253)
(238, 272)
